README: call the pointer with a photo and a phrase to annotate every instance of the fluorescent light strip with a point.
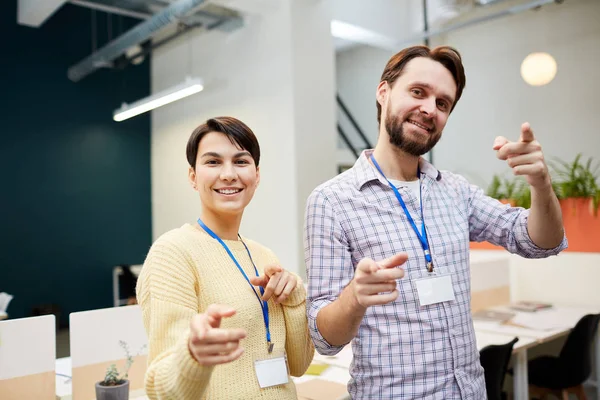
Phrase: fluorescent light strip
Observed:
(185, 89)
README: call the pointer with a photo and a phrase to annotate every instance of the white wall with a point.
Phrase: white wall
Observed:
(569, 279)
(357, 75)
(261, 75)
(496, 100)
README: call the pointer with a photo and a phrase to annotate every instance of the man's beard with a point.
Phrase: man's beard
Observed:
(395, 129)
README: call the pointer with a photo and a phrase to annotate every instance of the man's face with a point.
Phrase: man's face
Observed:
(415, 109)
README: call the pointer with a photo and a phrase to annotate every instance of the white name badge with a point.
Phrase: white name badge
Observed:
(272, 371)
(434, 289)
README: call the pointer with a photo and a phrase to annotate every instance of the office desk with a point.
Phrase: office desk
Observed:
(63, 382)
(337, 372)
(540, 327)
(339, 366)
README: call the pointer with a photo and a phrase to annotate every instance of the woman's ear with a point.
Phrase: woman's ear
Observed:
(192, 178)
(257, 176)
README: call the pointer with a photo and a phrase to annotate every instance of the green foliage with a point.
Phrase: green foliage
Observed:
(577, 179)
(112, 377)
(515, 189)
(570, 179)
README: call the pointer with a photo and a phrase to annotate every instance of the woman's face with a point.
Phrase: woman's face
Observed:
(225, 175)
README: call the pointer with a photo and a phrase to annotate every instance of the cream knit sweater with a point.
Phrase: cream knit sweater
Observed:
(185, 271)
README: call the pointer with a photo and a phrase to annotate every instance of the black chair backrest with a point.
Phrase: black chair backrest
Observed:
(576, 354)
(494, 360)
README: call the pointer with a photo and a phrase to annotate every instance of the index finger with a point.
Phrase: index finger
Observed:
(270, 289)
(393, 261)
(220, 335)
(215, 312)
(272, 269)
(526, 133)
(499, 141)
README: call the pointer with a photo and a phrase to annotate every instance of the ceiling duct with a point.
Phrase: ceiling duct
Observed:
(532, 5)
(441, 11)
(142, 32)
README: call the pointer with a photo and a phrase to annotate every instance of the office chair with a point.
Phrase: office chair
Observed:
(567, 372)
(494, 360)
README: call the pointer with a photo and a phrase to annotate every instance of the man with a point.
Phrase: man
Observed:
(412, 327)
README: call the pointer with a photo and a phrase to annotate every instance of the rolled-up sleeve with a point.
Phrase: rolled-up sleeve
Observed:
(503, 225)
(328, 263)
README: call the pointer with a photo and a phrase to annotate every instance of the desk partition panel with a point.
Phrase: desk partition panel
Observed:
(490, 280)
(97, 339)
(27, 358)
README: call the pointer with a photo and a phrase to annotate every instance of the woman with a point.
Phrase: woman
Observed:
(224, 320)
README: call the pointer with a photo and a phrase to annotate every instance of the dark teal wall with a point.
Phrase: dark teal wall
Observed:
(75, 186)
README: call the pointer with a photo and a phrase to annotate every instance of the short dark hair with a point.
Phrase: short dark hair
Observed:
(238, 132)
(448, 56)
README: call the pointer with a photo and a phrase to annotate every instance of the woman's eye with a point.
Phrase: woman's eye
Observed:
(243, 162)
(212, 162)
(418, 92)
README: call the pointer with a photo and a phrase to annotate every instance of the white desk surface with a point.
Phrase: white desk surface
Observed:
(339, 367)
(488, 338)
(543, 325)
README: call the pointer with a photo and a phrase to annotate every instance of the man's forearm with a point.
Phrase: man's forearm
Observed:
(545, 224)
(338, 322)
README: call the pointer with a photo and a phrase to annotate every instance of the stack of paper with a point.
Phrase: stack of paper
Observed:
(5, 298)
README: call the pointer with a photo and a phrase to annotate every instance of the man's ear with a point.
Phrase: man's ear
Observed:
(382, 93)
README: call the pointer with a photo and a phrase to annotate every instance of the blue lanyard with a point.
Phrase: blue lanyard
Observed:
(421, 235)
(263, 304)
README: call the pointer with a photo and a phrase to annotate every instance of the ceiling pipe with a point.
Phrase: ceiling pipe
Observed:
(142, 32)
(110, 9)
(509, 11)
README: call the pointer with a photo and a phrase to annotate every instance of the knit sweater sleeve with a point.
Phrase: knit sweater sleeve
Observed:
(167, 292)
(298, 344)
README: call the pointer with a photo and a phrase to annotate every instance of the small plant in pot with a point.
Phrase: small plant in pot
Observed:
(115, 386)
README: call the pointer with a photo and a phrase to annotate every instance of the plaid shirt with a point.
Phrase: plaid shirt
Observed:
(403, 350)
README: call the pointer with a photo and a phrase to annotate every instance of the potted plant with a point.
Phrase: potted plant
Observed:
(513, 191)
(579, 194)
(115, 386)
(577, 184)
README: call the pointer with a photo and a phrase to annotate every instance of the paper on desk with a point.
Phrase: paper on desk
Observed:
(316, 369)
(5, 298)
(545, 320)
